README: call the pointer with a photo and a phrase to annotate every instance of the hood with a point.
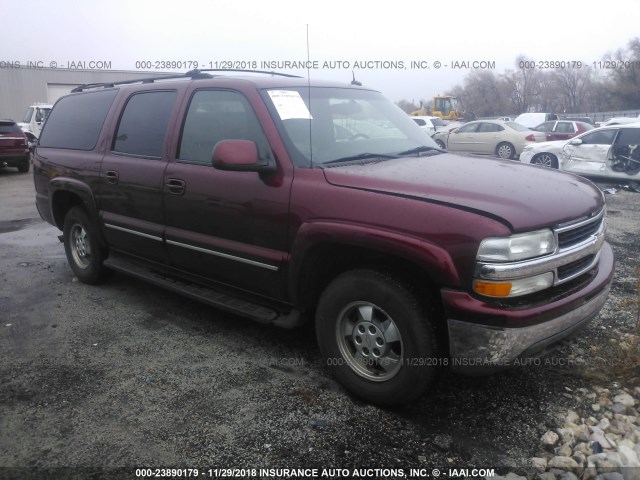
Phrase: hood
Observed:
(524, 197)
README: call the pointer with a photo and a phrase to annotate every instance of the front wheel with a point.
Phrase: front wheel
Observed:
(506, 151)
(376, 337)
(546, 160)
(441, 144)
(84, 253)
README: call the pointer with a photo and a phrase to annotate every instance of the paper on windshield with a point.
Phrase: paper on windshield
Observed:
(289, 104)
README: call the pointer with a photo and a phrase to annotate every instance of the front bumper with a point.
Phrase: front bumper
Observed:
(503, 336)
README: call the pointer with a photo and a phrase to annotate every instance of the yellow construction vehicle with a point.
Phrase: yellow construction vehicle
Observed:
(446, 107)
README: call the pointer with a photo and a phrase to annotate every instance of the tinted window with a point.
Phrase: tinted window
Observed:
(216, 115)
(468, 128)
(565, 127)
(629, 136)
(489, 128)
(545, 127)
(143, 124)
(600, 137)
(9, 127)
(75, 121)
(420, 122)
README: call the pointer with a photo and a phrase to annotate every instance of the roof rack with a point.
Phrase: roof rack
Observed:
(265, 72)
(194, 74)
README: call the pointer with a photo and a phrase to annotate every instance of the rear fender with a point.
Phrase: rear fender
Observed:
(67, 192)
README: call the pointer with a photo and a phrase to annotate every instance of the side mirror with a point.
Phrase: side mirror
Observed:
(454, 130)
(576, 141)
(239, 156)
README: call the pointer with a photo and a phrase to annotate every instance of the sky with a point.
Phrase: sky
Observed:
(374, 41)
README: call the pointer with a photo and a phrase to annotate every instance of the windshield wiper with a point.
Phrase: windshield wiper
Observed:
(421, 149)
(361, 156)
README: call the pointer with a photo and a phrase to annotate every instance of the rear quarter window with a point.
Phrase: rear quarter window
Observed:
(9, 128)
(76, 121)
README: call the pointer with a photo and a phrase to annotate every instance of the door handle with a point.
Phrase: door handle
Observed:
(112, 176)
(175, 186)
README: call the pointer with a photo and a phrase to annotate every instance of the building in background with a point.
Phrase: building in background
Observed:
(22, 87)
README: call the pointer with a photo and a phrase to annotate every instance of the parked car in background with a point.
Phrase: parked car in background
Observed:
(14, 146)
(430, 124)
(612, 152)
(34, 119)
(563, 129)
(588, 120)
(532, 119)
(619, 121)
(489, 137)
(505, 119)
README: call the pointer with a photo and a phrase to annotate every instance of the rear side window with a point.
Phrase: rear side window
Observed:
(143, 124)
(75, 121)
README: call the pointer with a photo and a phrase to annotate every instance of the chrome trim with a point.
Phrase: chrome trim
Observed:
(551, 262)
(133, 232)
(224, 255)
(570, 226)
(482, 345)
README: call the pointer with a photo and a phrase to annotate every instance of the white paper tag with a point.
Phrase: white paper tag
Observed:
(289, 104)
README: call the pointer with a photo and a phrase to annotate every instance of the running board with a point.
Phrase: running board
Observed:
(196, 291)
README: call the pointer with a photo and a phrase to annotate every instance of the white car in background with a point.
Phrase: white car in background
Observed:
(488, 137)
(619, 121)
(612, 152)
(429, 124)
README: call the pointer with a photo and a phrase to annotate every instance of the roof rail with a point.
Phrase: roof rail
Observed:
(265, 72)
(194, 74)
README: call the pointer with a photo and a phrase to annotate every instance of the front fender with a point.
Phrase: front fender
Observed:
(431, 258)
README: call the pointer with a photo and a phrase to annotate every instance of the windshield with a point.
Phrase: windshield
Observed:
(343, 123)
(27, 115)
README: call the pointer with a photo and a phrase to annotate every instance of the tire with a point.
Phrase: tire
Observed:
(376, 338)
(545, 159)
(505, 151)
(24, 167)
(84, 253)
(441, 144)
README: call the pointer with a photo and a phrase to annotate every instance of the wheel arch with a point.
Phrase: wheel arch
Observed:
(67, 193)
(323, 252)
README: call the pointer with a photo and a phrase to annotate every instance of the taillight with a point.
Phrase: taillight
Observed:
(530, 138)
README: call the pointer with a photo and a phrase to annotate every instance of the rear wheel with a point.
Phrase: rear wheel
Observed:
(506, 151)
(376, 337)
(84, 254)
(546, 160)
(24, 166)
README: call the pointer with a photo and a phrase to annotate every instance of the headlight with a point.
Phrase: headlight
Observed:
(517, 247)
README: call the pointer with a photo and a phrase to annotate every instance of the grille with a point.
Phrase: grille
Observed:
(566, 271)
(579, 234)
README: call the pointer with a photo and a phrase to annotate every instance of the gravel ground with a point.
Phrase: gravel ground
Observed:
(126, 376)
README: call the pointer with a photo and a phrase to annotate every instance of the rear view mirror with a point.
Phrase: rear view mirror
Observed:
(576, 141)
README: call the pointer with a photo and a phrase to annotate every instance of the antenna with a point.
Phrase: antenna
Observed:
(309, 98)
(354, 81)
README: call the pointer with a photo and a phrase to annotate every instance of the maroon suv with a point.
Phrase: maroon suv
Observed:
(284, 200)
